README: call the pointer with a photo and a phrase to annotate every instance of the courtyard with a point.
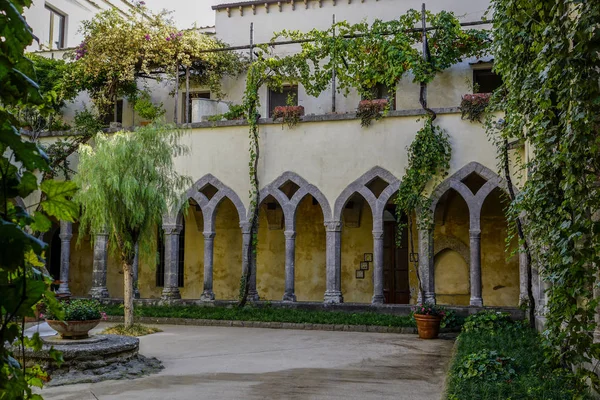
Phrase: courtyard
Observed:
(254, 363)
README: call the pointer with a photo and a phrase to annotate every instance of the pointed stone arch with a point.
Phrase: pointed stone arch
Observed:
(489, 181)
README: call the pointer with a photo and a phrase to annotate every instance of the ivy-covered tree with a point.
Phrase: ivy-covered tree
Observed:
(128, 183)
(22, 284)
(548, 55)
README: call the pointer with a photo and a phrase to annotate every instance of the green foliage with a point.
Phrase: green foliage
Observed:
(369, 110)
(77, 310)
(146, 109)
(128, 183)
(488, 322)
(22, 284)
(547, 55)
(428, 157)
(477, 374)
(118, 49)
(236, 111)
(266, 313)
(489, 365)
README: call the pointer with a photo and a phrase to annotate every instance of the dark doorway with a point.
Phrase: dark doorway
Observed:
(54, 259)
(396, 287)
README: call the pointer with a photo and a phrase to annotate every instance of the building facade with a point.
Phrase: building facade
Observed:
(327, 221)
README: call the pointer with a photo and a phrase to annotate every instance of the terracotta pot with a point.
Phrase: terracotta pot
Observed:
(73, 329)
(428, 325)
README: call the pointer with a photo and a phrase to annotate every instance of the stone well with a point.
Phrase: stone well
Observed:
(97, 358)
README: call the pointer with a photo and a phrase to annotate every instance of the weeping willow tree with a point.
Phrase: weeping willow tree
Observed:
(128, 182)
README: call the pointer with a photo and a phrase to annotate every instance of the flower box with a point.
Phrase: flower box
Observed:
(369, 110)
(288, 114)
(472, 106)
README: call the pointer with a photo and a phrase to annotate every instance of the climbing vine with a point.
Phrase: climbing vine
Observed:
(361, 57)
(547, 54)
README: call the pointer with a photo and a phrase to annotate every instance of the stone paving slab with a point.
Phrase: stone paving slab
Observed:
(239, 363)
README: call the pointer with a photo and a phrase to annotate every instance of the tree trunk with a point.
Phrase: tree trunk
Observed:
(128, 293)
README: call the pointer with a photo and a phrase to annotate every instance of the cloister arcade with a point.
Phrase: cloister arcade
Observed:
(310, 251)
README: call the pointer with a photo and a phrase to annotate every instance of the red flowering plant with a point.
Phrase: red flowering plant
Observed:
(472, 106)
(429, 309)
(288, 114)
(369, 110)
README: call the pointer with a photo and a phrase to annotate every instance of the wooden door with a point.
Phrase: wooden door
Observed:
(395, 265)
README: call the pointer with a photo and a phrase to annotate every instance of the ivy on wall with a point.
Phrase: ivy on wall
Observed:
(362, 56)
(548, 56)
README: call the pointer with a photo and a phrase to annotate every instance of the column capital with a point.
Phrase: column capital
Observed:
(333, 226)
(378, 235)
(289, 234)
(66, 230)
(209, 235)
(172, 229)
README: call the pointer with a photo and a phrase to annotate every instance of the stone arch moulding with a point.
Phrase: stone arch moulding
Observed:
(455, 181)
(377, 204)
(209, 205)
(290, 204)
(444, 242)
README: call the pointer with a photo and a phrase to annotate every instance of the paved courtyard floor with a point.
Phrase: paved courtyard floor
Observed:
(253, 363)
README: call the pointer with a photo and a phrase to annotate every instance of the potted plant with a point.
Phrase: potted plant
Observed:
(428, 317)
(369, 110)
(81, 316)
(472, 106)
(147, 110)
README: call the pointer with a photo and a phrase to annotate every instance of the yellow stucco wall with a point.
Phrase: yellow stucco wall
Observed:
(80, 269)
(500, 276)
(227, 253)
(310, 277)
(356, 242)
(193, 261)
(270, 262)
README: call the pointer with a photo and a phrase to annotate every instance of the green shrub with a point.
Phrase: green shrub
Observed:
(489, 365)
(78, 310)
(488, 321)
(146, 109)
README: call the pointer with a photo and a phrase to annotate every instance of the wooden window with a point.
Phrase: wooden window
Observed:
(110, 117)
(485, 81)
(277, 99)
(58, 22)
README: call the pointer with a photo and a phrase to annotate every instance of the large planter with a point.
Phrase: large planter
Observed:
(73, 329)
(428, 325)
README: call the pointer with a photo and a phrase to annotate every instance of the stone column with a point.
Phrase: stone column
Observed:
(475, 267)
(426, 267)
(290, 257)
(378, 297)
(523, 278)
(209, 241)
(171, 288)
(65, 235)
(249, 262)
(99, 290)
(136, 264)
(333, 255)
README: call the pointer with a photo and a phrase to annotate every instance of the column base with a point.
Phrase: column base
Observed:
(63, 290)
(171, 294)
(429, 298)
(333, 297)
(136, 294)
(99, 292)
(207, 295)
(253, 296)
(289, 297)
(476, 302)
(378, 299)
